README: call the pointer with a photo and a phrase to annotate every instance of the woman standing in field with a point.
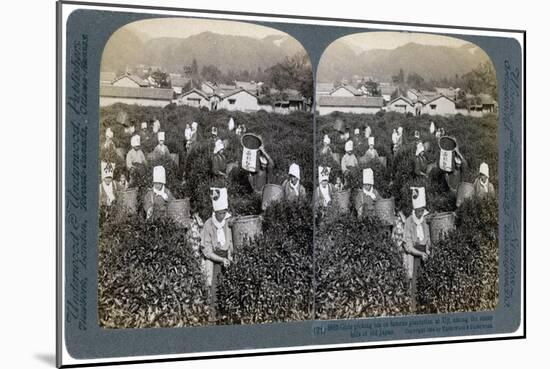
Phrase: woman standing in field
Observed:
(108, 189)
(420, 161)
(416, 238)
(326, 150)
(371, 153)
(219, 163)
(161, 150)
(292, 188)
(156, 199)
(136, 162)
(367, 197)
(217, 242)
(264, 172)
(482, 186)
(323, 193)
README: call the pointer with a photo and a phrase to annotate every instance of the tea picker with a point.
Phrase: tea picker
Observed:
(349, 160)
(217, 241)
(161, 150)
(135, 161)
(482, 186)
(420, 161)
(323, 193)
(108, 188)
(456, 176)
(371, 153)
(326, 150)
(157, 198)
(219, 164)
(292, 188)
(367, 196)
(264, 172)
(416, 239)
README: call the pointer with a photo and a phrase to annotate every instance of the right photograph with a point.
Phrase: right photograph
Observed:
(407, 177)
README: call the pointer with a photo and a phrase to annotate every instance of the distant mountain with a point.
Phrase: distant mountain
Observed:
(431, 62)
(224, 51)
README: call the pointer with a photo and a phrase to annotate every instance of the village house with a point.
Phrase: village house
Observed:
(323, 88)
(251, 86)
(401, 104)
(143, 96)
(439, 105)
(241, 100)
(194, 97)
(208, 88)
(387, 90)
(350, 104)
(129, 80)
(345, 91)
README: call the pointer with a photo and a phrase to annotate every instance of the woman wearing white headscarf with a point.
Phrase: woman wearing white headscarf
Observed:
(157, 198)
(292, 188)
(108, 189)
(482, 186)
(161, 150)
(219, 163)
(420, 161)
(217, 241)
(326, 150)
(416, 238)
(323, 193)
(366, 199)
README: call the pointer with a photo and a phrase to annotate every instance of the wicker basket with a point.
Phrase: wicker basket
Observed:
(385, 210)
(465, 191)
(244, 228)
(179, 211)
(271, 193)
(341, 200)
(440, 225)
(128, 200)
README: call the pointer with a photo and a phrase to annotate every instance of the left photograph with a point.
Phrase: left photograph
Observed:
(206, 175)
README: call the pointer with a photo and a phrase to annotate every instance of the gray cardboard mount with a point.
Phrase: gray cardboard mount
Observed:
(86, 35)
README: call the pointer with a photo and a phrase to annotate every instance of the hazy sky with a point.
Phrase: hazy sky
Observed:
(392, 40)
(184, 27)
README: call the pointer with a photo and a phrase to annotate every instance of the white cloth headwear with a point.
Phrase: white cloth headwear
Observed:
(326, 139)
(419, 148)
(324, 173)
(367, 131)
(371, 140)
(348, 146)
(194, 126)
(484, 169)
(263, 160)
(231, 124)
(156, 126)
(294, 170)
(219, 198)
(161, 136)
(416, 134)
(394, 136)
(346, 135)
(432, 128)
(368, 176)
(218, 146)
(214, 131)
(159, 174)
(109, 133)
(356, 131)
(143, 125)
(418, 197)
(135, 141)
(107, 169)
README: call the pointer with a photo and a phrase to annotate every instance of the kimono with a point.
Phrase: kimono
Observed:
(218, 165)
(480, 191)
(320, 200)
(365, 205)
(290, 195)
(348, 161)
(420, 165)
(104, 199)
(211, 245)
(156, 203)
(370, 155)
(161, 150)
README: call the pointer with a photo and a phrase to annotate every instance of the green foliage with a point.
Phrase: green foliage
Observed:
(462, 273)
(358, 273)
(150, 277)
(271, 279)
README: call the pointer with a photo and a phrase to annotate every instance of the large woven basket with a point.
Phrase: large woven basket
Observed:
(440, 225)
(179, 211)
(465, 191)
(341, 200)
(271, 193)
(128, 200)
(245, 228)
(385, 210)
